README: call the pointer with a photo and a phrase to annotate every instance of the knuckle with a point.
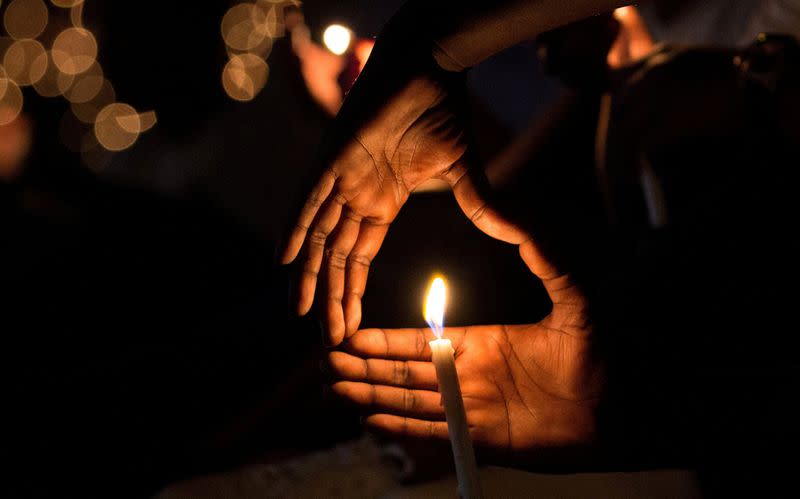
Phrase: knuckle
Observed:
(318, 237)
(409, 400)
(420, 343)
(337, 259)
(366, 369)
(401, 372)
(478, 213)
(359, 259)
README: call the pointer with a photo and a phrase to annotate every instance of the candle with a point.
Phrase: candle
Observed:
(447, 377)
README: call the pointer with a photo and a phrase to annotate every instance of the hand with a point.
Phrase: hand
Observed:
(388, 142)
(525, 387)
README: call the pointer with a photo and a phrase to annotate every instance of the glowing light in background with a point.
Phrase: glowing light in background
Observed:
(25, 18)
(337, 38)
(10, 99)
(87, 111)
(244, 76)
(434, 306)
(23, 62)
(53, 82)
(74, 50)
(243, 27)
(66, 4)
(117, 126)
(86, 85)
(147, 120)
(76, 14)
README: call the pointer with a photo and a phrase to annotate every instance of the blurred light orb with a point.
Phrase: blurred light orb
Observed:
(10, 100)
(25, 18)
(74, 50)
(87, 111)
(53, 82)
(337, 38)
(76, 15)
(66, 4)
(23, 62)
(270, 15)
(243, 27)
(244, 76)
(147, 120)
(117, 126)
(86, 85)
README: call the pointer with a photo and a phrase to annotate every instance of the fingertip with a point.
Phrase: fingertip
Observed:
(292, 248)
(304, 305)
(335, 321)
(332, 340)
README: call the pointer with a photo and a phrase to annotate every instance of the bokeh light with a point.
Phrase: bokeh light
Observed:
(117, 126)
(24, 63)
(147, 120)
(10, 99)
(74, 50)
(66, 4)
(87, 111)
(76, 15)
(25, 18)
(244, 76)
(244, 27)
(337, 38)
(86, 85)
(53, 82)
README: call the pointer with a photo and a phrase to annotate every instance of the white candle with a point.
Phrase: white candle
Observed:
(444, 360)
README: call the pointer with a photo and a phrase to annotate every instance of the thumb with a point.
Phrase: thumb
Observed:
(471, 190)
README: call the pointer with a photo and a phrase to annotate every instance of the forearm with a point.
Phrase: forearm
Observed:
(462, 34)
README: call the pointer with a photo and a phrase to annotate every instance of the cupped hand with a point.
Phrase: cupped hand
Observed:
(384, 149)
(525, 387)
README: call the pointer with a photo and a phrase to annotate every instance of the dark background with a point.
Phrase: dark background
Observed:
(146, 326)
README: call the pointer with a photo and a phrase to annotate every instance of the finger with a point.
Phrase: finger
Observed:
(401, 401)
(336, 254)
(366, 248)
(409, 427)
(316, 197)
(471, 190)
(326, 221)
(538, 264)
(402, 373)
(399, 344)
(569, 304)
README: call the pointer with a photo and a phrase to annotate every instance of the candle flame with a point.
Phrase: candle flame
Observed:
(434, 306)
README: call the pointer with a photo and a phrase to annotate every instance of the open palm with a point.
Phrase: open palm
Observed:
(375, 159)
(524, 386)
